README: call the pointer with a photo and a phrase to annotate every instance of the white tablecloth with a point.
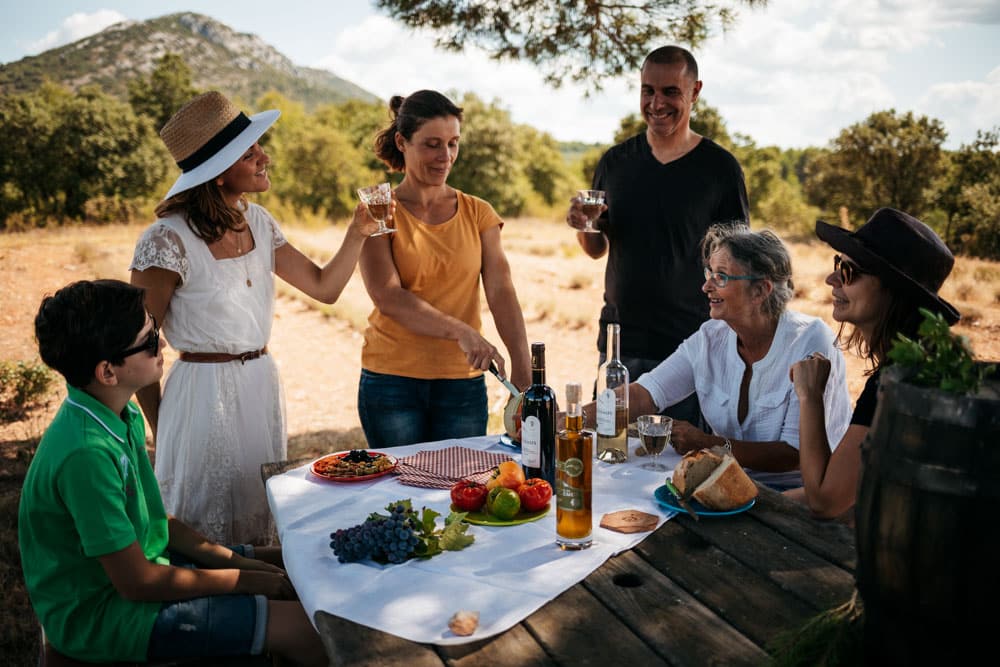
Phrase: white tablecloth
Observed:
(505, 575)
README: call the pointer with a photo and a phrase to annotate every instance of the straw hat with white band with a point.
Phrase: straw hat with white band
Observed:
(208, 135)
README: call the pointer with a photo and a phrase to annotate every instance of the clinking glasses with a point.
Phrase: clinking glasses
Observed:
(719, 279)
(150, 345)
(847, 269)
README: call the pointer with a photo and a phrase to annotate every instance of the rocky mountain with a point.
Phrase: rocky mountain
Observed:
(239, 64)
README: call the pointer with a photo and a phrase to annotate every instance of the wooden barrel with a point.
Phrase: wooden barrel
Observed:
(928, 525)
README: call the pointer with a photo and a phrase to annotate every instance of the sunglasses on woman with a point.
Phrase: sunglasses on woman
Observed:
(150, 345)
(847, 269)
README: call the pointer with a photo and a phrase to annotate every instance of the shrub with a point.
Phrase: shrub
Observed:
(23, 386)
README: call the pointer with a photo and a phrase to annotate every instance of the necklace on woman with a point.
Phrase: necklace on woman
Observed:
(240, 256)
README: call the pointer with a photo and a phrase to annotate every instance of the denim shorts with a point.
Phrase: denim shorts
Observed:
(396, 410)
(216, 625)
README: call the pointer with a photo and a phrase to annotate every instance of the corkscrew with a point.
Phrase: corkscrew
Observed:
(507, 383)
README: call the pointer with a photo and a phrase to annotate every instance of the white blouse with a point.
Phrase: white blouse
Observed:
(708, 363)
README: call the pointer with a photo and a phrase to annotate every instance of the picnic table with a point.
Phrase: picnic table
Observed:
(712, 591)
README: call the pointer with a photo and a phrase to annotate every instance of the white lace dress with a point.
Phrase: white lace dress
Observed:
(218, 421)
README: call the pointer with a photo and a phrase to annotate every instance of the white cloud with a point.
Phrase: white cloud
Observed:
(74, 27)
(978, 100)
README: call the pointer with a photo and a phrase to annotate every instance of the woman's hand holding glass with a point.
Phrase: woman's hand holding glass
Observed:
(380, 203)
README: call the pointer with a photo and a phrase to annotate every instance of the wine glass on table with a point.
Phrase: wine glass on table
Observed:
(654, 431)
(591, 203)
(377, 198)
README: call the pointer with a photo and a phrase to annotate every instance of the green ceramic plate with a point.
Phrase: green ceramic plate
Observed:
(484, 519)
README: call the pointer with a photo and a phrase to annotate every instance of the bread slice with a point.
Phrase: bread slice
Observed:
(694, 469)
(728, 487)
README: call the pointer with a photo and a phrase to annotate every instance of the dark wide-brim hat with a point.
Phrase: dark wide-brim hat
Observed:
(901, 250)
(208, 135)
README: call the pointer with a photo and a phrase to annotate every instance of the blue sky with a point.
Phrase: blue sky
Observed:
(793, 74)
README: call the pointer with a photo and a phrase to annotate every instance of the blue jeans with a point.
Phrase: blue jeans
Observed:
(398, 410)
(687, 410)
(215, 625)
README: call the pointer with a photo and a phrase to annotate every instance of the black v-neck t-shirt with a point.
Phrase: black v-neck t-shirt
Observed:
(657, 216)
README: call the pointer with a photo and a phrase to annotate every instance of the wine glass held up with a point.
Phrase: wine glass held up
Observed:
(591, 204)
(654, 431)
(378, 199)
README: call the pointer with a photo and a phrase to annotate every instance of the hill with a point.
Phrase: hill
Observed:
(240, 64)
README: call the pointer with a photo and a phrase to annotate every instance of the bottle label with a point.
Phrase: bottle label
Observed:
(531, 442)
(569, 497)
(607, 402)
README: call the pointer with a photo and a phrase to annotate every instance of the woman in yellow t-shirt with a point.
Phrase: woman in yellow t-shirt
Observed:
(423, 357)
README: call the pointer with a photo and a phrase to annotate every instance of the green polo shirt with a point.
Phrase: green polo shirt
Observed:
(90, 491)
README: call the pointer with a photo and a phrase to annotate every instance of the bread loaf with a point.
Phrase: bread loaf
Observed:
(694, 469)
(728, 487)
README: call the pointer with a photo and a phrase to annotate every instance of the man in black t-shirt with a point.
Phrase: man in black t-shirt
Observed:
(664, 188)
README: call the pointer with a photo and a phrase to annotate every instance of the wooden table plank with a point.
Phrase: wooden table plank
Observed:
(665, 616)
(753, 603)
(815, 580)
(515, 647)
(833, 540)
(349, 643)
(576, 629)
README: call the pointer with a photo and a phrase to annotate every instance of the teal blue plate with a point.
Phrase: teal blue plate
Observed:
(668, 500)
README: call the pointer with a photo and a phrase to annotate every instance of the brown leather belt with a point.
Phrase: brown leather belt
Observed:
(221, 357)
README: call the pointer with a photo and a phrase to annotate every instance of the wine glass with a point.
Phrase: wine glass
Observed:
(591, 202)
(654, 431)
(377, 198)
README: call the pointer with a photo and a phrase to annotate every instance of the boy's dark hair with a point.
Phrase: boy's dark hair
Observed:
(88, 322)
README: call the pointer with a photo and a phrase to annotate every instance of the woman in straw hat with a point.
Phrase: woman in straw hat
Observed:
(207, 266)
(424, 354)
(891, 266)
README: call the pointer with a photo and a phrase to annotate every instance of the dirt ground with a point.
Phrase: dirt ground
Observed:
(318, 347)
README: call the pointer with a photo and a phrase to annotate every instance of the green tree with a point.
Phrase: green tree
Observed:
(579, 41)
(115, 155)
(888, 159)
(543, 165)
(360, 121)
(166, 90)
(315, 164)
(970, 196)
(27, 155)
(487, 164)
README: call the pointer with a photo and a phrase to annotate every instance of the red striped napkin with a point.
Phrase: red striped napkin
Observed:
(441, 468)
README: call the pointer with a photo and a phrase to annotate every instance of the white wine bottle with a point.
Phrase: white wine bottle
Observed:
(612, 403)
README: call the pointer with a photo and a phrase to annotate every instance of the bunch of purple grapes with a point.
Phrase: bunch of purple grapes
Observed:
(381, 538)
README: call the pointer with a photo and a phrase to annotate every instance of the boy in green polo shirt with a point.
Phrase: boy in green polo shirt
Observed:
(110, 575)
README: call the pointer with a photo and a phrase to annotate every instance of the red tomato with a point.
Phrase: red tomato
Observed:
(468, 496)
(535, 494)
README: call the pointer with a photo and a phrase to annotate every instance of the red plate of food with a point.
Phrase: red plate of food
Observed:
(356, 465)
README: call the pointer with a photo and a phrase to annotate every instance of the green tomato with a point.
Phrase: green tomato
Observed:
(503, 503)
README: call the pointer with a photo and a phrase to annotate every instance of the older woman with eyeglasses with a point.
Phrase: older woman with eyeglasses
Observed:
(886, 270)
(738, 361)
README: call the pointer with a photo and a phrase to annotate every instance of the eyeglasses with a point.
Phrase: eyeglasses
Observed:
(847, 269)
(719, 279)
(150, 345)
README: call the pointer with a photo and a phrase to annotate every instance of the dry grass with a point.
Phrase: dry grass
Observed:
(318, 347)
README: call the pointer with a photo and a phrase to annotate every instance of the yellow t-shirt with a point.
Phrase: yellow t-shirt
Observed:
(441, 264)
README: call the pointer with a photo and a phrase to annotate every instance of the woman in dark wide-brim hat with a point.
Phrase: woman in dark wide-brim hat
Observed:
(208, 265)
(885, 271)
